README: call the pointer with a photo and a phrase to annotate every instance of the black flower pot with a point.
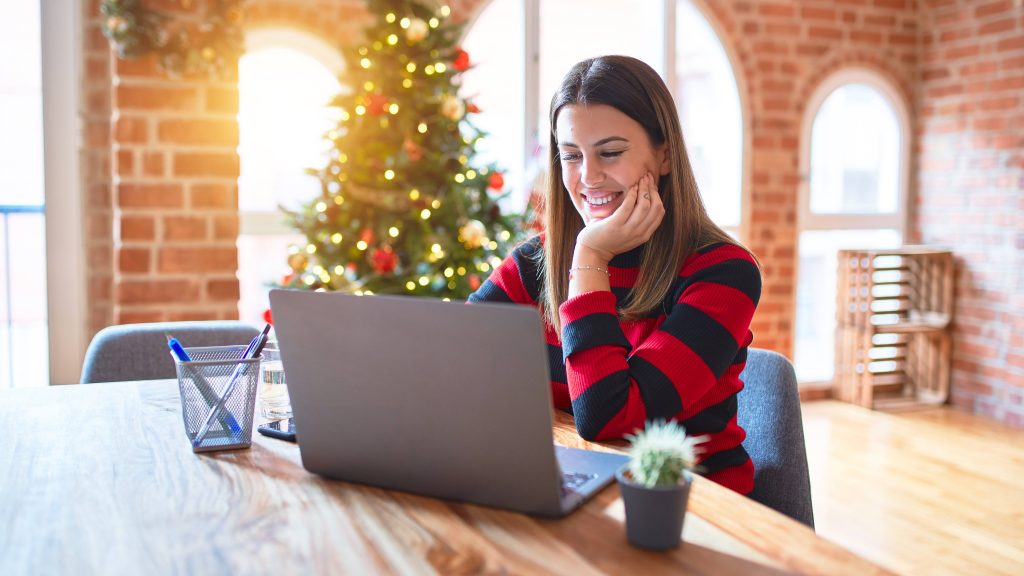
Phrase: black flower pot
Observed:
(654, 516)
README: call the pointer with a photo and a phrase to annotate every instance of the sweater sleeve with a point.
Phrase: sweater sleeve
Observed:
(515, 280)
(615, 387)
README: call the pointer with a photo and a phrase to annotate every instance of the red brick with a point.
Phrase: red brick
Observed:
(140, 316)
(866, 36)
(125, 163)
(997, 26)
(992, 8)
(222, 290)
(184, 228)
(771, 9)
(197, 259)
(131, 130)
(206, 164)
(138, 228)
(153, 164)
(151, 196)
(158, 291)
(825, 32)
(214, 196)
(810, 13)
(891, 4)
(225, 227)
(199, 132)
(135, 260)
(152, 97)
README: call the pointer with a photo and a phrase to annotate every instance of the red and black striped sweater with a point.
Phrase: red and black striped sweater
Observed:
(681, 362)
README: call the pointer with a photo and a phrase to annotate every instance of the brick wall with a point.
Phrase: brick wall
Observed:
(970, 182)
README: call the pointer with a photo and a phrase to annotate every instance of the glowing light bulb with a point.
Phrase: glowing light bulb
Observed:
(392, 39)
(449, 272)
(445, 11)
(460, 178)
(422, 128)
(393, 108)
(360, 110)
(461, 271)
(410, 285)
(368, 86)
(410, 67)
(389, 174)
(390, 17)
(339, 270)
(433, 22)
(429, 69)
(440, 67)
(364, 62)
(336, 238)
(321, 206)
(310, 248)
(470, 174)
(414, 194)
(339, 199)
(361, 245)
(424, 280)
(504, 235)
(393, 232)
(435, 204)
(406, 83)
(425, 214)
(404, 23)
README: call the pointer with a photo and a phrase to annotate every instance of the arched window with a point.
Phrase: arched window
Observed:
(854, 160)
(285, 80)
(518, 74)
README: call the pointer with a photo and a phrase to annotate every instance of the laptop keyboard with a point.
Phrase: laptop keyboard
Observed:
(573, 480)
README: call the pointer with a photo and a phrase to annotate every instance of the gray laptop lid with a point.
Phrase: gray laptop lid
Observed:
(444, 399)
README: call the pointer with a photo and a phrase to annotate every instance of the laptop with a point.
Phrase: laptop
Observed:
(437, 398)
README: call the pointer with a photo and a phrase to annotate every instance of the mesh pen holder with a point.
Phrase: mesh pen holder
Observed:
(203, 381)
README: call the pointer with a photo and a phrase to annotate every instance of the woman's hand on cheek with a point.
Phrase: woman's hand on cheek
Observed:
(632, 224)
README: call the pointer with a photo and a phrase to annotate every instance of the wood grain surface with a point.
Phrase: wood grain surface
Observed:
(101, 479)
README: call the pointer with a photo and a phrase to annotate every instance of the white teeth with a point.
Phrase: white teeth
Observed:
(600, 201)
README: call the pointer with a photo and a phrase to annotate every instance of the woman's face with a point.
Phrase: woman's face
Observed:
(603, 152)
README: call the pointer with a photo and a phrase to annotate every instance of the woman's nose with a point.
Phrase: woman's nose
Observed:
(591, 174)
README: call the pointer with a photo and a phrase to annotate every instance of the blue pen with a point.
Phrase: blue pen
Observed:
(201, 384)
(253, 350)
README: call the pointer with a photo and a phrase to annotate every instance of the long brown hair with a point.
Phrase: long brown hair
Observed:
(635, 89)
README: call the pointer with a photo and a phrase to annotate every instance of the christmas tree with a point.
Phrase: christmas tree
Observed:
(403, 209)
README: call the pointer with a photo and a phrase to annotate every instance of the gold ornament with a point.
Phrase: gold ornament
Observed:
(298, 261)
(452, 108)
(209, 54)
(417, 30)
(472, 234)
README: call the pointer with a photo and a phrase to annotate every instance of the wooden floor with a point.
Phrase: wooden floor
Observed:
(936, 491)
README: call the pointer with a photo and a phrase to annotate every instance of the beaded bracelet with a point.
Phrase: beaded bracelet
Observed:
(594, 268)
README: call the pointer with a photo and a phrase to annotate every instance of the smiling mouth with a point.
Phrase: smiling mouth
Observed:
(602, 200)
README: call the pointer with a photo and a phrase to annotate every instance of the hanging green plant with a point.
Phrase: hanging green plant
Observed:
(208, 47)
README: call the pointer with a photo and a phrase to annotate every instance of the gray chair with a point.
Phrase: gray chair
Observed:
(769, 410)
(139, 351)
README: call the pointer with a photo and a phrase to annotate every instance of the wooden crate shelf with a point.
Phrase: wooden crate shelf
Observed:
(893, 314)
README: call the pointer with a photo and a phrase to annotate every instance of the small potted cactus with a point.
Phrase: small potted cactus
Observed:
(655, 484)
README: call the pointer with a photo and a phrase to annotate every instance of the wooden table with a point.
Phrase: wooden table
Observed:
(100, 478)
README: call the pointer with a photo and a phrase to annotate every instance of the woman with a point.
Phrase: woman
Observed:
(647, 303)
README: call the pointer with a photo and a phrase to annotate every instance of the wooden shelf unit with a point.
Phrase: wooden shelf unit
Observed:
(893, 314)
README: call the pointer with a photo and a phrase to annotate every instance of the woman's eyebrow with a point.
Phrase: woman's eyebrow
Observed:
(600, 142)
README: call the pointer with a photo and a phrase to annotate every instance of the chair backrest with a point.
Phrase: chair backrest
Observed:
(769, 410)
(139, 351)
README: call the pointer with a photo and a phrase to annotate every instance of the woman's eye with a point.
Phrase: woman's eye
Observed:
(611, 154)
(569, 157)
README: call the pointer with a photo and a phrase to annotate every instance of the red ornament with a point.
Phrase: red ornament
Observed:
(472, 108)
(384, 260)
(414, 152)
(376, 104)
(474, 282)
(287, 279)
(366, 236)
(461, 61)
(268, 317)
(496, 181)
